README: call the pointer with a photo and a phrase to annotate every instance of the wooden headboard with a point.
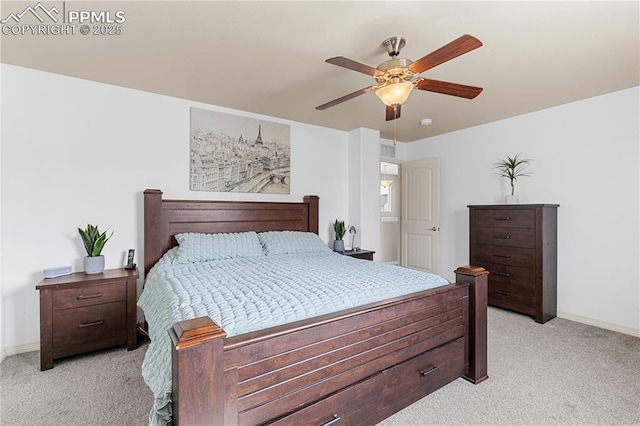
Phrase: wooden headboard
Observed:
(165, 218)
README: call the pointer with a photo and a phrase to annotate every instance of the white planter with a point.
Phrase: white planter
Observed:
(338, 245)
(512, 199)
(93, 265)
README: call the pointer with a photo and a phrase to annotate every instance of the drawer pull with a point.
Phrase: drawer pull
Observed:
(503, 237)
(89, 296)
(502, 292)
(506, 256)
(90, 324)
(502, 218)
(333, 421)
(425, 373)
(501, 274)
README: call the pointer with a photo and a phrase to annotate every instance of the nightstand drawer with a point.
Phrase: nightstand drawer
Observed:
(505, 218)
(89, 295)
(504, 256)
(511, 237)
(80, 326)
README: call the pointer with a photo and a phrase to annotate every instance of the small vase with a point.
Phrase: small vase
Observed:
(512, 199)
(338, 245)
(93, 264)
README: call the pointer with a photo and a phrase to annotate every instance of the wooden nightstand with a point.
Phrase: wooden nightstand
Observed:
(81, 313)
(360, 254)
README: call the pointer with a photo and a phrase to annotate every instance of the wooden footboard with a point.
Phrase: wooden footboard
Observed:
(355, 366)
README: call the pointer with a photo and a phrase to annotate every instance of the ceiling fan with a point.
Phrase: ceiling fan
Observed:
(396, 77)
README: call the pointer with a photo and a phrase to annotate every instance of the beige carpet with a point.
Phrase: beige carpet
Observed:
(561, 372)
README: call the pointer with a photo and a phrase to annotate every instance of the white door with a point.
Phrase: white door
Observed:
(420, 214)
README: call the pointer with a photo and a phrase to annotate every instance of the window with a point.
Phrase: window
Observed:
(388, 189)
(385, 199)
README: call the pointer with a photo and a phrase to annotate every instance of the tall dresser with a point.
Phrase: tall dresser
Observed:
(517, 244)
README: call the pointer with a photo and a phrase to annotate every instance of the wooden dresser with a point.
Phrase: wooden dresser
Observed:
(517, 244)
(81, 313)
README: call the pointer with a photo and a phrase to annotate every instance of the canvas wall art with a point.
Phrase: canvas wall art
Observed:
(230, 153)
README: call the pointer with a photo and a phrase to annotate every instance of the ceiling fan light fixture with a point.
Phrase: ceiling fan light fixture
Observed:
(395, 93)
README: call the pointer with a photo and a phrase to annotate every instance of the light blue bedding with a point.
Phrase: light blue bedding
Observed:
(248, 294)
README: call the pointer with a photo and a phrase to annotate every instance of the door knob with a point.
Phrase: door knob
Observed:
(433, 229)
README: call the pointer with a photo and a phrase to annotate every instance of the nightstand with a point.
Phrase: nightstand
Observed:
(82, 313)
(359, 254)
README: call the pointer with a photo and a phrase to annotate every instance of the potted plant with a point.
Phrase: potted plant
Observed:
(94, 242)
(339, 229)
(513, 168)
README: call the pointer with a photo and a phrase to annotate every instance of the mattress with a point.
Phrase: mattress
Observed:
(247, 294)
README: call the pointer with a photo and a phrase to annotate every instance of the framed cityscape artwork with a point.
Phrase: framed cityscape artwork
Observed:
(230, 153)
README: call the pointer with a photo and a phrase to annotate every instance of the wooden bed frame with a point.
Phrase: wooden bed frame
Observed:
(356, 366)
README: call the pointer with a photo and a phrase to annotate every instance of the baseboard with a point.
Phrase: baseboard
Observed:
(601, 324)
(20, 349)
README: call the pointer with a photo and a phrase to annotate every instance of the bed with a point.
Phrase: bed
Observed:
(356, 365)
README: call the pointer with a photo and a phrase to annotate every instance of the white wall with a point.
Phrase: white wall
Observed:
(587, 160)
(77, 152)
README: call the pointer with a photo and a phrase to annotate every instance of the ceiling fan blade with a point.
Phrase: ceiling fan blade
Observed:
(446, 88)
(457, 47)
(346, 97)
(393, 113)
(341, 61)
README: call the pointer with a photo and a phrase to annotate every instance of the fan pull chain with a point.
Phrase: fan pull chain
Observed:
(395, 114)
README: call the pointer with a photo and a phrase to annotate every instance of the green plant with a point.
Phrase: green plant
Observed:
(339, 229)
(93, 240)
(512, 168)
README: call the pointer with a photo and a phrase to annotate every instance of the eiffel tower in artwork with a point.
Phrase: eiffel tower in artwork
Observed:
(259, 139)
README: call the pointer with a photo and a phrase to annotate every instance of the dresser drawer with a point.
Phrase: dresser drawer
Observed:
(419, 376)
(512, 276)
(358, 404)
(520, 299)
(502, 255)
(505, 218)
(89, 295)
(511, 237)
(85, 325)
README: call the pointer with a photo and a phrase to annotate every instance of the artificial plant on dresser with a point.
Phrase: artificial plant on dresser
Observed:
(93, 241)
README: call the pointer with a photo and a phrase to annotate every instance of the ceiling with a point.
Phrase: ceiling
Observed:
(269, 57)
